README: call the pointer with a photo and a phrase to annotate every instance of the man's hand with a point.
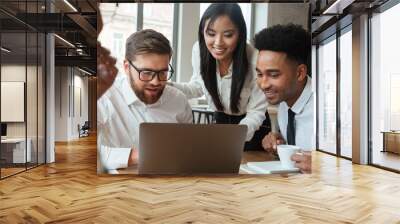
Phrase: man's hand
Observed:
(106, 70)
(303, 161)
(271, 141)
(133, 157)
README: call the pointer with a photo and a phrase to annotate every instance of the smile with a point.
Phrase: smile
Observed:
(269, 94)
(219, 50)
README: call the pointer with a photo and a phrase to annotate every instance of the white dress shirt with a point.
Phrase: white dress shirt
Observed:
(252, 100)
(303, 120)
(120, 112)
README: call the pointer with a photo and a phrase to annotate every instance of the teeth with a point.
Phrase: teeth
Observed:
(219, 49)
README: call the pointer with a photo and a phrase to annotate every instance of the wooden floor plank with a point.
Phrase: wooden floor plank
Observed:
(70, 191)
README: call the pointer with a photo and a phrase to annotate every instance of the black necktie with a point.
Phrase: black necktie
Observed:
(290, 131)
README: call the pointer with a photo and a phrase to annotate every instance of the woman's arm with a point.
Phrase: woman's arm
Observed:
(194, 88)
(255, 110)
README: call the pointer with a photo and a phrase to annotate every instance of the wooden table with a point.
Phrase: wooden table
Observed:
(248, 156)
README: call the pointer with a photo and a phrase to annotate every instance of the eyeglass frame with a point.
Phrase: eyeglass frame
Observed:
(171, 71)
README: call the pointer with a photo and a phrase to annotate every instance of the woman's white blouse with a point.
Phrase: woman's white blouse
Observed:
(252, 100)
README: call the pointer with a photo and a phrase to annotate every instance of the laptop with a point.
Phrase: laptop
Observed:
(190, 148)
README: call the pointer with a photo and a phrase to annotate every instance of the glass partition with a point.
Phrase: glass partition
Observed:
(22, 88)
(327, 96)
(385, 89)
(346, 94)
(14, 154)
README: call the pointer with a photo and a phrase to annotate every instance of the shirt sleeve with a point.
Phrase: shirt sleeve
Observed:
(113, 158)
(193, 89)
(255, 111)
(104, 110)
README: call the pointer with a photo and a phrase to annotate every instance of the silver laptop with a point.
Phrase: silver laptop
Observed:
(190, 148)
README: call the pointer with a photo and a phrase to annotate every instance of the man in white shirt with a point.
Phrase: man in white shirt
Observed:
(284, 51)
(139, 96)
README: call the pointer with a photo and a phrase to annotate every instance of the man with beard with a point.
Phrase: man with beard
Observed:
(139, 96)
(282, 75)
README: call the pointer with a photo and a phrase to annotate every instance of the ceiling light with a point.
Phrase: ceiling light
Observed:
(65, 41)
(70, 5)
(338, 6)
(5, 50)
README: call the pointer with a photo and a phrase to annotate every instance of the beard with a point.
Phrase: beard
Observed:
(146, 96)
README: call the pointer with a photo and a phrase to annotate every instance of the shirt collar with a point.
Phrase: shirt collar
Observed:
(227, 76)
(301, 102)
(130, 96)
(128, 93)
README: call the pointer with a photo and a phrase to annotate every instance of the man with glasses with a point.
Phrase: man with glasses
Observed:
(140, 96)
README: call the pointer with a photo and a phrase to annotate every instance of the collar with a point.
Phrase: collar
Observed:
(301, 102)
(128, 93)
(227, 76)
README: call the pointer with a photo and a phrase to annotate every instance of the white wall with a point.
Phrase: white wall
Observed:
(283, 13)
(260, 17)
(269, 14)
(69, 85)
(17, 73)
(61, 103)
(188, 26)
(33, 126)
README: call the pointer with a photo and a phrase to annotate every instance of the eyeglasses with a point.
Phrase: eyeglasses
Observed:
(148, 75)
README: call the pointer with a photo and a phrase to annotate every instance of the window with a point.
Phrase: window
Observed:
(161, 22)
(118, 45)
(119, 22)
(394, 101)
(327, 96)
(346, 94)
(385, 88)
(246, 10)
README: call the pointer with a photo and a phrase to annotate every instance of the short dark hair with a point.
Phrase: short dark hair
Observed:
(291, 39)
(240, 64)
(146, 41)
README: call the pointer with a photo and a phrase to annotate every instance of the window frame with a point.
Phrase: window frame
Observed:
(333, 37)
(379, 10)
(175, 24)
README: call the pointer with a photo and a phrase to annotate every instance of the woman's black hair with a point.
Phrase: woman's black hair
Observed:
(240, 61)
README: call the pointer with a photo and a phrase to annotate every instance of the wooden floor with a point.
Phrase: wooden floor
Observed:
(386, 159)
(69, 191)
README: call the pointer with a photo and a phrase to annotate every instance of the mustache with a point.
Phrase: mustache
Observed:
(152, 86)
(268, 90)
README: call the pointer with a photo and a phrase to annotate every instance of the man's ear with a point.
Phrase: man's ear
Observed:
(301, 72)
(126, 66)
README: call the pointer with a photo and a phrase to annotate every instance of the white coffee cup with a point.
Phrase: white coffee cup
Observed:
(285, 152)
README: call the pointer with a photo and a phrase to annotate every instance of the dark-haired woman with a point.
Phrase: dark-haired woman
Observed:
(224, 71)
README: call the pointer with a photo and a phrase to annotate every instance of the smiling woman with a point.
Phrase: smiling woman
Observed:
(247, 10)
(224, 71)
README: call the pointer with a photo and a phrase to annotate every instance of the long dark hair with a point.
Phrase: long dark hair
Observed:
(240, 62)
